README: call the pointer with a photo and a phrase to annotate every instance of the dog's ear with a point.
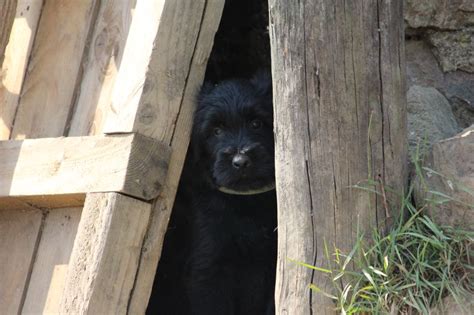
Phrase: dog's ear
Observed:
(262, 81)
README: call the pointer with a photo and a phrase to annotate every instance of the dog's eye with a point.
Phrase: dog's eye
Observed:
(256, 124)
(217, 131)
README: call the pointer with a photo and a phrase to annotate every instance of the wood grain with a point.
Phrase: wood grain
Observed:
(49, 271)
(42, 202)
(14, 65)
(7, 15)
(130, 81)
(340, 119)
(19, 230)
(150, 86)
(105, 255)
(48, 90)
(128, 163)
(101, 67)
(179, 119)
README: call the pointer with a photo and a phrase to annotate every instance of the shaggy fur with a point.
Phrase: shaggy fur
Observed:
(228, 258)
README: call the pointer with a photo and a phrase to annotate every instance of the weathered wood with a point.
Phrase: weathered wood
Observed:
(49, 271)
(128, 163)
(101, 67)
(13, 67)
(105, 255)
(42, 202)
(7, 15)
(174, 125)
(133, 74)
(340, 119)
(151, 82)
(19, 231)
(48, 90)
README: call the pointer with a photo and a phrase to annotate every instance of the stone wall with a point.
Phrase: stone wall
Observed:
(440, 52)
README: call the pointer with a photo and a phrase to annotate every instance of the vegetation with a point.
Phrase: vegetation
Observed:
(409, 270)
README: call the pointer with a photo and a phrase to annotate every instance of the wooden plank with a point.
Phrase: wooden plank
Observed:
(52, 72)
(339, 111)
(18, 234)
(101, 67)
(17, 54)
(42, 202)
(151, 81)
(130, 82)
(128, 163)
(105, 255)
(49, 272)
(179, 118)
(7, 14)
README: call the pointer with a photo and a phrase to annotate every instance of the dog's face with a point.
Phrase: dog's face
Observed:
(233, 135)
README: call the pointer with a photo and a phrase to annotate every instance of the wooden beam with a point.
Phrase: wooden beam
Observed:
(105, 256)
(173, 121)
(130, 163)
(340, 119)
(14, 65)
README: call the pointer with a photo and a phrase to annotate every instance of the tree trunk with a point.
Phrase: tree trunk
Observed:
(340, 119)
(7, 15)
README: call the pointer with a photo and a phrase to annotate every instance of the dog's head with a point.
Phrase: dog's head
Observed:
(233, 135)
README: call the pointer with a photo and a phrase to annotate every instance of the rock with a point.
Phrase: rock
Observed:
(449, 172)
(463, 110)
(430, 117)
(454, 50)
(457, 86)
(440, 14)
(422, 67)
(451, 307)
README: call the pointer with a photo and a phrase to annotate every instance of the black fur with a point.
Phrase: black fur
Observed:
(228, 264)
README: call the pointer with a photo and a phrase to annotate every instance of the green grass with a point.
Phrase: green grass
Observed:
(410, 269)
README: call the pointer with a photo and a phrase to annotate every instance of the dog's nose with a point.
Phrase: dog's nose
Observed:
(240, 161)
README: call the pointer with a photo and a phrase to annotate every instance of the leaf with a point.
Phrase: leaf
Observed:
(346, 291)
(316, 289)
(385, 263)
(349, 258)
(369, 277)
(339, 275)
(310, 266)
(380, 273)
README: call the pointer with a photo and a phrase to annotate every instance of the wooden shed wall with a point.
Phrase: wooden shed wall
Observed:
(82, 68)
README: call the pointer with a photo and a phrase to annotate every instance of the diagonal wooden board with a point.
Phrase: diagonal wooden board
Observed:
(154, 94)
(56, 167)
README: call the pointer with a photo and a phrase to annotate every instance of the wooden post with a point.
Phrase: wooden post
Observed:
(105, 256)
(340, 119)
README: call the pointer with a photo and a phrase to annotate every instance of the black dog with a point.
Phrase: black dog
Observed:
(227, 201)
